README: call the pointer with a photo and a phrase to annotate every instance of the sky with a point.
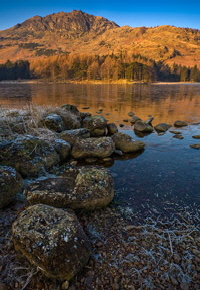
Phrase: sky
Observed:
(135, 13)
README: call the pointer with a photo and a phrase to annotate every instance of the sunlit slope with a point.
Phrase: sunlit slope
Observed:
(78, 32)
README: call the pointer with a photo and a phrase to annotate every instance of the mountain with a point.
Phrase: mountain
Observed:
(80, 33)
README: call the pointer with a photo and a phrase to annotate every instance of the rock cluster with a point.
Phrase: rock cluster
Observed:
(49, 237)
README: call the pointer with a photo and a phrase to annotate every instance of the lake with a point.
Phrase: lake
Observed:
(165, 178)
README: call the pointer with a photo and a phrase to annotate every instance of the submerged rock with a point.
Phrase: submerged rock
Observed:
(162, 127)
(10, 185)
(28, 155)
(175, 132)
(53, 122)
(72, 136)
(143, 127)
(180, 124)
(84, 188)
(126, 144)
(195, 146)
(96, 124)
(134, 119)
(93, 147)
(196, 136)
(53, 240)
(178, 136)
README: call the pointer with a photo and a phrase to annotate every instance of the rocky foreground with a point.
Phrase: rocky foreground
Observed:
(59, 230)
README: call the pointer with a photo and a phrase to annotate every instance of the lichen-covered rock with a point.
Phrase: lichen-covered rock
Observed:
(53, 122)
(126, 144)
(28, 155)
(180, 124)
(62, 147)
(10, 185)
(72, 136)
(112, 128)
(53, 240)
(134, 119)
(96, 124)
(93, 147)
(84, 188)
(162, 127)
(143, 127)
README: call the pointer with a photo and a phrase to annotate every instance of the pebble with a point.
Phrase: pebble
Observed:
(65, 285)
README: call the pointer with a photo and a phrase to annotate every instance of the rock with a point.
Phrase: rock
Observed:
(62, 147)
(178, 136)
(93, 147)
(112, 128)
(53, 122)
(175, 132)
(29, 155)
(196, 136)
(71, 120)
(96, 124)
(126, 144)
(121, 125)
(125, 120)
(149, 121)
(53, 240)
(195, 146)
(130, 114)
(73, 109)
(162, 127)
(180, 124)
(72, 136)
(85, 188)
(10, 185)
(143, 127)
(85, 108)
(134, 119)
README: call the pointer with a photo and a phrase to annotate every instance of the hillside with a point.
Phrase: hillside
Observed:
(80, 33)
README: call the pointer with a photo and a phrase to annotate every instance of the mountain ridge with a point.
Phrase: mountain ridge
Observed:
(81, 33)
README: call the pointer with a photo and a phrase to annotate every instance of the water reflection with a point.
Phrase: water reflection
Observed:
(166, 103)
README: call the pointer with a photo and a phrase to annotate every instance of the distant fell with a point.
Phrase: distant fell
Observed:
(81, 33)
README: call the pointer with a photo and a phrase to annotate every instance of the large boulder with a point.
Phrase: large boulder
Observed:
(93, 147)
(180, 124)
(126, 144)
(53, 122)
(162, 127)
(28, 155)
(85, 188)
(10, 184)
(96, 124)
(143, 127)
(51, 239)
(72, 136)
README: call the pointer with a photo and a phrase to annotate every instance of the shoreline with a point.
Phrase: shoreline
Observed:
(111, 82)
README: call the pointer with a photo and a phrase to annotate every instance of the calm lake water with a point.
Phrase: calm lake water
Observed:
(165, 178)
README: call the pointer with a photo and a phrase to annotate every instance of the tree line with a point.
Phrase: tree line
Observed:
(15, 70)
(95, 67)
